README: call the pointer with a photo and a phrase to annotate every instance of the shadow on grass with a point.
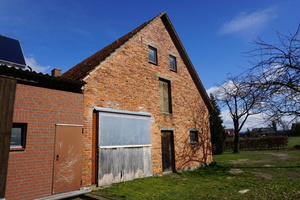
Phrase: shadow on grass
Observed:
(81, 197)
(86, 197)
(215, 170)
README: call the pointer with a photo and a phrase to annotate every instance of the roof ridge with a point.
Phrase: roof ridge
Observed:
(82, 69)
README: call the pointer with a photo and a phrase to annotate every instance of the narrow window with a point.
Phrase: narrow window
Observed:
(165, 96)
(18, 136)
(194, 136)
(173, 65)
(152, 55)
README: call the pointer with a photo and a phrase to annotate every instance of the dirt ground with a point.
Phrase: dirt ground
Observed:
(276, 157)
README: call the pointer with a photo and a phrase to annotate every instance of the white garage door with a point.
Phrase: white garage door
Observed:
(124, 145)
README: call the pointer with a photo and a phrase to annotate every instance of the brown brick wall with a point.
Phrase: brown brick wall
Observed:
(30, 171)
(128, 81)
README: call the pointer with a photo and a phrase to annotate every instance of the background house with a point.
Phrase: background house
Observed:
(229, 131)
(145, 108)
(264, 131)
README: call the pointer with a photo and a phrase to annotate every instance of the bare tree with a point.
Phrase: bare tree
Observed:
(276, 67)
(242, 99)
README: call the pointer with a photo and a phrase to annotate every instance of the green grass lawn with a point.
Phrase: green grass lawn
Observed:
(248, 175)
(293, 141)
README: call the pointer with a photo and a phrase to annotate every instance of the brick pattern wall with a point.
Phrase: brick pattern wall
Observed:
(128, 81)
(30, 171)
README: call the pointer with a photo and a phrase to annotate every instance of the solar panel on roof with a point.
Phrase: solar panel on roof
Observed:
(11, 51)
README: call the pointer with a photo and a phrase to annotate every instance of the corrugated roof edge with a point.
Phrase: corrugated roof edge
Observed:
(41, 80)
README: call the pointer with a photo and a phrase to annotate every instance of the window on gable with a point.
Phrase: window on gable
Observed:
(152, 55)
(194, 136)
(18, 136)
(165, 96)
(173, 64)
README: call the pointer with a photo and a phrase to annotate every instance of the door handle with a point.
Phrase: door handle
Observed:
(57, 157)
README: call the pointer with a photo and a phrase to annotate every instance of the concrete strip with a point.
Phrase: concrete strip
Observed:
(66, 195)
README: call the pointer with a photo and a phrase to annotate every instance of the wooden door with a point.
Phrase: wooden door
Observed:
(167, 147)
(67, 159)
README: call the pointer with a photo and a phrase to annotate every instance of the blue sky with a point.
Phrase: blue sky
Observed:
(215, 34)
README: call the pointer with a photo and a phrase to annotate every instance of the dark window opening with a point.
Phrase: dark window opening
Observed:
(152, 55)
(18, 136)
(194, 136)
(173, 64)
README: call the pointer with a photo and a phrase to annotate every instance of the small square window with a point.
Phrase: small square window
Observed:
(18, 136)
(152, 55)
(194, 136)
(173, 65)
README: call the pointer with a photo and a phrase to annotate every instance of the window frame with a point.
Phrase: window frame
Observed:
(173, 68)
(22, 146)
(192, 140)
(155, 55)
(169, 96)
(117, 133)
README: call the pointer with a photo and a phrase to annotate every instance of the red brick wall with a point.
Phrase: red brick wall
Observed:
(128, 81)
(30, 171)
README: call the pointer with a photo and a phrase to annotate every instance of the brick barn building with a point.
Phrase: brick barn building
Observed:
(146, 111)
(134, 109)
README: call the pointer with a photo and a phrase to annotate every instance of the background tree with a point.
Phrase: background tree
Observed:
(295, 130)
(218, 135)
(242, 98)
(276, 67)
(249, 133)
(274, 125)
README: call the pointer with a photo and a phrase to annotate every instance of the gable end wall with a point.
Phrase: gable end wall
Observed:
(128, 81)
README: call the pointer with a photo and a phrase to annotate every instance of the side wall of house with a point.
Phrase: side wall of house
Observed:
(128, 81)
(30, 171)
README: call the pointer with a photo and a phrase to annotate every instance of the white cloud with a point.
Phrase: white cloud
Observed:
(249, 23)
(31, 62)
(229, 85)
(253, 121)
(212, 90)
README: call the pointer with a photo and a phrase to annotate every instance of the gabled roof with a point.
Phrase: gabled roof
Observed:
(263, 130)
(11, 52)
(81, 70)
